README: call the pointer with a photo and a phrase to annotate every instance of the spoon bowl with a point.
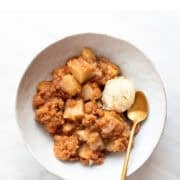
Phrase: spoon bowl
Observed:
(139, 109)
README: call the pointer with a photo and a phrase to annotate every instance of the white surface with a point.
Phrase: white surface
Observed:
(22, 37)
(134, 65)
(41, 5)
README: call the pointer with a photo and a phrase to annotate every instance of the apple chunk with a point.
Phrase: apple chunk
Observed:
(91, 91)
(88, 54)
(81, 69)
(70, 85)
(74, 109)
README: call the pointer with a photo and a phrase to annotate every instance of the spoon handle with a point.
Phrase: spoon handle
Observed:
(126, 160)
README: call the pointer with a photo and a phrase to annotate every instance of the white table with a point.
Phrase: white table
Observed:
(22, 36)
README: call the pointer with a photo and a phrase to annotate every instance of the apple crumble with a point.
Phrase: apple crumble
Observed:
(70, 108)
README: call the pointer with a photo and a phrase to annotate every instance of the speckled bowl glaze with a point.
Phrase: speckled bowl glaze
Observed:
(134, 65)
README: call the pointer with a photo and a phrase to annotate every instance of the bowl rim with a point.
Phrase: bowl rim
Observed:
(82, 34)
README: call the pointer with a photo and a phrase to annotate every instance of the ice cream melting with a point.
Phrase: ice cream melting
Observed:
(118, 94)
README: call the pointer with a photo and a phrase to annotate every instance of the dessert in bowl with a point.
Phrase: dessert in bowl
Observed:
(133, 65)
(84, 126)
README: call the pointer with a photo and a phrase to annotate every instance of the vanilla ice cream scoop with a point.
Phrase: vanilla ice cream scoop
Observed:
(118, 94)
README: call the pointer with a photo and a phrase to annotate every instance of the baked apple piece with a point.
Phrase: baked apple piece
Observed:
(68, 128)
(93, 139)
(91, 91)
(70, 85)
(74, 109)
(81, 69)
(89, 156)
(88, 54)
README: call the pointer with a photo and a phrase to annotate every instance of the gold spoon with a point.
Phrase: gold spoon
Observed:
(137, 113)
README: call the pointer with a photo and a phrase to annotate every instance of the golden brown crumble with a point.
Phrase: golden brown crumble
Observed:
(69, 107)
(66, 147)
(106, 70)
(50, 115)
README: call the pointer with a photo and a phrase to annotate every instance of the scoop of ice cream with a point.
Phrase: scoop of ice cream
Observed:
(118, 94)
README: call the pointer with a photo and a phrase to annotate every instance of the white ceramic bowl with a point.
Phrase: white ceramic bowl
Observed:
(134, 64)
